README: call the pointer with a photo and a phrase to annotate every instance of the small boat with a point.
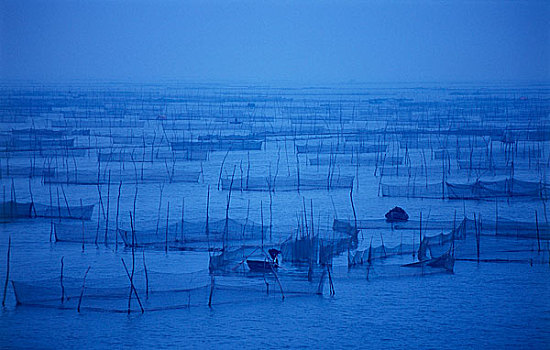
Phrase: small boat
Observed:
(261, 265)
(265, 265)
(397, 214)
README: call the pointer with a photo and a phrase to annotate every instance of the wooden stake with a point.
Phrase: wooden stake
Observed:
(7, 272)
(82, 289)
(211, 291)
(538, 235)
(117, 211)
(83, 229)
(166, 231)
(146, 277)
(353, 207)
(61, 281)
(132, 289)
(108, 206)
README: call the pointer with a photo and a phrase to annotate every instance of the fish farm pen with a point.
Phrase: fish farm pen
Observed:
(139, 199)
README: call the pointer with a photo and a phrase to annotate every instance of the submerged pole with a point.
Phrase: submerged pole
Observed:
(83, 228)
(7, 272)
(108, 205)
(82, 289)
(538, 234)
(146, 277)
(166, 232)
(353, 207)
(332, 292)
(226, 225)
(477, 237)
(61, 281)
(132, 288)
(262, 219)
(211, 291)
(158, 211)
(117, 211)
(182, 216)
(278, 282)
(51, 208)
(421, 227)
(206, 228)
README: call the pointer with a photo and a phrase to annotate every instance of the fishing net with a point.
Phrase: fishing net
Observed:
(13, 210)
(147, 176)
(30, 171)
(343, 148)
(72, 212)
(186, 232)
(287, 183)
(226, 145)
(509, 187)
(413, 190)
(85, 233)
(158, 291)
(470, 240)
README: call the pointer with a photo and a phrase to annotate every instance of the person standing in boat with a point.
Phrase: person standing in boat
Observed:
(274, 254)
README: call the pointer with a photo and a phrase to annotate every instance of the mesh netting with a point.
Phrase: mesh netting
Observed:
(149, 176)
(476, 190)
(196, 232)
(470, 240)
(72, 212)
(287, 183)
(413, 190)
(13, 210)
(160, 291)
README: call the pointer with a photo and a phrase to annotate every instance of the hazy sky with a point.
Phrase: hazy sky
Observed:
(263, 41)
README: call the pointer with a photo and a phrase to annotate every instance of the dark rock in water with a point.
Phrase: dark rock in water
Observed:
(397, 214)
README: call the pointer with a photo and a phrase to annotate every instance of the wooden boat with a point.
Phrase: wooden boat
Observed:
(397, 214)
(261, 265)
(265, 265)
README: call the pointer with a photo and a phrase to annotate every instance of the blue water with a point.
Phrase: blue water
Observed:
(485, 305)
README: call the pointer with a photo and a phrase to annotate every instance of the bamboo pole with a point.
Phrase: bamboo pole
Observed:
(32, 198)
(82, 289)
(212, 283)
(262, 222)
(146, 276)
(117, 212)
(108, 206)
(353, 208)
(332, 291)
(226, 226)
(182, 217)
(7, 272)
(477, 237)
(538, 235)
(61, 281)
(158, 211)
(132, 288)
(221, 169)
(166, 231)
(206, 224)
(278, 281)
(51, 208)
(66, 202)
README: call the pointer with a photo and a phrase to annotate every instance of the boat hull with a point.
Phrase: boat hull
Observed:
(261, 265)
